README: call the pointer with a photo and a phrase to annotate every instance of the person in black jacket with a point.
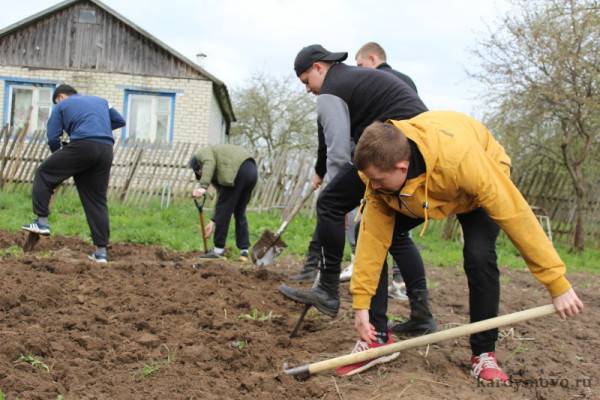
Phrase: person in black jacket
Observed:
(372, 55)
(349, 99)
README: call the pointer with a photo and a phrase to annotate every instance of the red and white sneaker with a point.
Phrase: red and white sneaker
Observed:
(486, 369)
(361, 345)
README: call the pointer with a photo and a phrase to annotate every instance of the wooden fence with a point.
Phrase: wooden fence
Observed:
(143, 172)
(548, 188)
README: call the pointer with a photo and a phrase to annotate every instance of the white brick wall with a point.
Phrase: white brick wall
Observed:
(192, 102)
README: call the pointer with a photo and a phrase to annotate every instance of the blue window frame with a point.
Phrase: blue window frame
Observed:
(149, 115)
(23, 95)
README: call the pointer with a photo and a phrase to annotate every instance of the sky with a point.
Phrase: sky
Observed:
(430, 40)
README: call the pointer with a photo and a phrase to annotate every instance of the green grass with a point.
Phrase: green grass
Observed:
(177, 228)
(11, 251)
(256, 315)
(154, 367)
(34, 362)
(439, 252)
(2, 397)
(519, 349)
(150, 369)
(239, 345)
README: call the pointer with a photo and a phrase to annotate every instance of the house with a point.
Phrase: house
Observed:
(164, 96)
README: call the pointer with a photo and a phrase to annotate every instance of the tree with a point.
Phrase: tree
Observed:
(542, 71)
(274, 114)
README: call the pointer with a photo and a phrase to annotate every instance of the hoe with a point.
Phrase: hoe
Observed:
(305, 371)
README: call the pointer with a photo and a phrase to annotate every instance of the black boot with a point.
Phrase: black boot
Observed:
(309, 271)
(325, 296)
(421, 321)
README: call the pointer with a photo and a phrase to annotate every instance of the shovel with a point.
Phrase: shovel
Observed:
(33, 238)
(31, 241)
(305, 371)
(270, 245)
(200, 207)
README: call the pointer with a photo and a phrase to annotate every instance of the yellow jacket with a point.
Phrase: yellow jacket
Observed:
(466, 169)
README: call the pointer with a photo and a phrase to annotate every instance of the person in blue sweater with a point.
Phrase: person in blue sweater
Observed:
(89, 122)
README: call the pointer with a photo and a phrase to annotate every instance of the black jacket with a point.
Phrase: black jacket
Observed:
(350, 99)
(387, 68)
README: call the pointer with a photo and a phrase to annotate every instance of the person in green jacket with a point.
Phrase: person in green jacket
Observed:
(232, 171)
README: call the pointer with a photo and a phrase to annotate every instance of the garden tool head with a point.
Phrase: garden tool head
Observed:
(268, 246)
(31, 241)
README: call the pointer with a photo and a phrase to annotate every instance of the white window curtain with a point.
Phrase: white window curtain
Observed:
(149, 117)
(24, 98)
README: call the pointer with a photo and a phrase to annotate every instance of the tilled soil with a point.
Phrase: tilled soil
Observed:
(148, 326)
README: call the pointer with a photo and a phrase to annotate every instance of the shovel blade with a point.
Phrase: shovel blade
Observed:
(267, 248)
(31, 241)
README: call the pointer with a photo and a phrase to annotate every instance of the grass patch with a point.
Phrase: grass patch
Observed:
(519, 349)
(432, 284)
(150, 369)
(12, 251)
(154, 367)
(256, 315)
(177, 228)
(34, 362)
(448, 253)
(395, 318)
(239, 345)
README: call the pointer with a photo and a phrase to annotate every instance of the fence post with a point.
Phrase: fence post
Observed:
(133, 168)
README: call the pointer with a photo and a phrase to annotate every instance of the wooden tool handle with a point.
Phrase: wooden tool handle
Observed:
(468, 329)
(292, 214)
(202, 226)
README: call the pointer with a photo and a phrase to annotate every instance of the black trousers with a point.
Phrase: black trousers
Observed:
(480, 265)
(409, 261)
(233, 201)
(340, 196)
(89, 164)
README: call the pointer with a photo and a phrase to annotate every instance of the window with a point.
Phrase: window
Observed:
(33, 100)
(149, 116)
(87, 16)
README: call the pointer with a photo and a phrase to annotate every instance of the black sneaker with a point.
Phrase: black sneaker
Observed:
(37, 227)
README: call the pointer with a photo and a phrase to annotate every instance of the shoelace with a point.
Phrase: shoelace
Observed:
(360, 345)
(485, 361)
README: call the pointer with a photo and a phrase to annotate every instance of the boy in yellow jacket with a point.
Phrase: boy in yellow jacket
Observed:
(429, 167)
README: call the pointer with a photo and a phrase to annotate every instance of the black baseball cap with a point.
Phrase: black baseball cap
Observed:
(313, 53)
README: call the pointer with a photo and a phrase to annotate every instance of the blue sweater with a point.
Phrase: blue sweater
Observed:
(83, 117)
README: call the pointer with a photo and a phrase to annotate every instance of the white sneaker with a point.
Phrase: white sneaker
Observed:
(397, 291)
(346, 274)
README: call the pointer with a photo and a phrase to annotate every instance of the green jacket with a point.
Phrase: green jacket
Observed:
(220, 163)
